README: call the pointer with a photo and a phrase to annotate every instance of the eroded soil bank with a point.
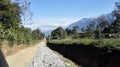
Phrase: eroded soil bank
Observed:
(88, 55)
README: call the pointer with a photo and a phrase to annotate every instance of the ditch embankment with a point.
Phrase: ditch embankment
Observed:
(88, 55)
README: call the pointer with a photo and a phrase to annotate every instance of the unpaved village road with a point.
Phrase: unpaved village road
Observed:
(21, 58)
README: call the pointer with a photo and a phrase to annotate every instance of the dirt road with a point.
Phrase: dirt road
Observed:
(21, 58)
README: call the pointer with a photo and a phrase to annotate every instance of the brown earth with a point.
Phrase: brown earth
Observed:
(22, 57)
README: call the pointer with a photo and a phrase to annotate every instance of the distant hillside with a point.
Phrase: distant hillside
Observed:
(85, 21)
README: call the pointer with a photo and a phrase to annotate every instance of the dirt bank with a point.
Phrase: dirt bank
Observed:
(89, 55)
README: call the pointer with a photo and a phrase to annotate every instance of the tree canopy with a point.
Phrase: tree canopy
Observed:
(11, 28)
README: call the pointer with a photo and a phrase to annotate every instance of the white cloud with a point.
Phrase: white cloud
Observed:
(46, 24)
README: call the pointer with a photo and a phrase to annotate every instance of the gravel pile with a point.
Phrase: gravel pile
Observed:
(46, 58)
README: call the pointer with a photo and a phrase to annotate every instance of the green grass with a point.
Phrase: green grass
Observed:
(109, 42)
(71, 41)
(97, 42)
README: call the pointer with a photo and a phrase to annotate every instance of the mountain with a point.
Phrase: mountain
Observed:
(85, 21)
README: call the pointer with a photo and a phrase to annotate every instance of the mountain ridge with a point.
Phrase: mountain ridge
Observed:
(85, 21)
(82, 23)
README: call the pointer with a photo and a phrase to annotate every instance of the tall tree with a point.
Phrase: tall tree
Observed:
(37, 34)
(75, 32)
(90, 30)
(75, 29)
(98, 33)
(103, 23)
(90, 27)
(11, 28)
(83, 30)
(117, 21)
(58, 33)
(68, 31)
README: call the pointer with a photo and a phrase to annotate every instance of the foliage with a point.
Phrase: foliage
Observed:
(58, 33)
(108, 42)
(103, 34)
(37, 34)
(68, 31)
(90, 30)
(75, 32)
(113, 43)
(72, 41)
(11, 28)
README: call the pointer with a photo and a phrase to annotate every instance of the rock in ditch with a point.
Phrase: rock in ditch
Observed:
(46, 58)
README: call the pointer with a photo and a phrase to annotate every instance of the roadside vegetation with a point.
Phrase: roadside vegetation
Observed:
(115, 43)
(12, 30)
(104, 33)
(96, 45)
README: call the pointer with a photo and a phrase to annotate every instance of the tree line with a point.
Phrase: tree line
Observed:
(11, 27)
(104, 29)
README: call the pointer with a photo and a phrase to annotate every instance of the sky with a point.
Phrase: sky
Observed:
(50, 14)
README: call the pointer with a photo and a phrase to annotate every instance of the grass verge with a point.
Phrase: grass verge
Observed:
(115, 43)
